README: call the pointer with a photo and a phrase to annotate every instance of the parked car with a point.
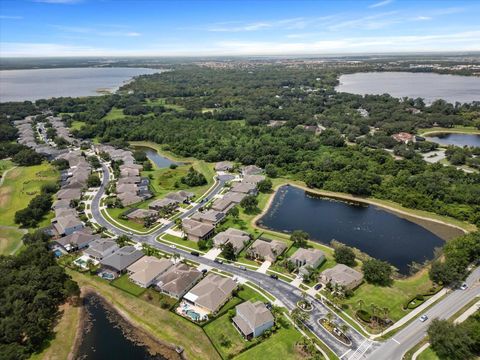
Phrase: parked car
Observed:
(173, 246)
(464, 286)
(218, 261)
(318, 286)
(195, 253)
(273, 276)
(242, 268)
(423, 318)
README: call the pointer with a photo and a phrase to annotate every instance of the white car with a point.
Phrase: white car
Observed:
(464, 287)
(423, 318)
(173, 246)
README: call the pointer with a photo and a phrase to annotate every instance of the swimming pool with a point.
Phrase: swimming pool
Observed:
(107, 276)
(57, 253)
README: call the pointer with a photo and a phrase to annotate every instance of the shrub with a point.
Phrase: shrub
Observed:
(364, 315)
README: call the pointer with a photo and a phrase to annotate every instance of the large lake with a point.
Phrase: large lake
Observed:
(35, 84)
(103, 338)
(428, 86)
(376, 232)
(456, 139)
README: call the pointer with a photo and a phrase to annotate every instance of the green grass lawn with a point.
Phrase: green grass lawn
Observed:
(114, 114)
(392, 297)
(179, 241)
(76, 125)
(161, 101)
(280, 345)
(20, 186)
(115, 214)
(124, 283)
(456, 129)
(428, 354)
(10, 240)
(222, 328)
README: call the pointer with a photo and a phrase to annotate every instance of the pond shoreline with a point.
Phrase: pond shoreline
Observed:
(128, 326)
(424, 221)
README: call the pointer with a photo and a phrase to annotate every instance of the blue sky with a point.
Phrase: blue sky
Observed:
(189, 28)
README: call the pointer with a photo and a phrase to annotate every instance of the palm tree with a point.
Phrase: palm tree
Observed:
(344, 329)
(329, 317)
(360, 304)
(299, 317)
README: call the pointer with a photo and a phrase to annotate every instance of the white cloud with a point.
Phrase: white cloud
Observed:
(98, 31)
(381, 3)
(11, 17)
(294, 23)
(462, 41)
(422, 18)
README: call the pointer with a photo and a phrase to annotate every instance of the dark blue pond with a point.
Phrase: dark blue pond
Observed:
(456, 139)
(376, 232)
(103, 338)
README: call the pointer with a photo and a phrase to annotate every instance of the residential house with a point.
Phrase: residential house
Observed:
(223, 166)
(269, 250)
(237, 238)
(403, 137)
(253, 179)
(342, 275)
(228, 201)
(145, 271)
(307, 259)
(69, 194)
(196, 230)
(77, 241)
(129, 180)
(253, 319)
(101, 248)
(163, 204)
(180, 196)
(177, 280)
(211, 292)
(66, 225)
(129, 198)
(212, 217)
(140, 214)
(251, 170)
(245, 188)
(121, 259)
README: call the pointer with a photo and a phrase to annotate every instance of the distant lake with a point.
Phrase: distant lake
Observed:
(378, 233)
(159, 160)
(428, 86)
(104, 338)
(35, 84)
(456, 139)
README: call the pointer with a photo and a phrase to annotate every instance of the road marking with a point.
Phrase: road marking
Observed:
(396, 341)
(358, 354)
(348, 351)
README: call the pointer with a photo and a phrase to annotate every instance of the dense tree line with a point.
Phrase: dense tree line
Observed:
(32, 287)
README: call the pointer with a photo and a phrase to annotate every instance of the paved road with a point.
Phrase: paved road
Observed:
(408, 337)
(287, 294)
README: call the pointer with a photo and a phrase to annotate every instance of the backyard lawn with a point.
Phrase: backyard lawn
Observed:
(225, 337)
(124, 283)
(280, 345)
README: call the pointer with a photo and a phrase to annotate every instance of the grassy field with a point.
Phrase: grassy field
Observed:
(114, 114)
(76, 125)
(148, 315)
(20, 185)
(161, 101)
(179, 241)
(10, 240)
(124, 283)
(223, 327)
(62, 342)
(392, 297)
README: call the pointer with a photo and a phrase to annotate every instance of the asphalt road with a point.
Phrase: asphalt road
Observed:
(287, 294)
(413, 333)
